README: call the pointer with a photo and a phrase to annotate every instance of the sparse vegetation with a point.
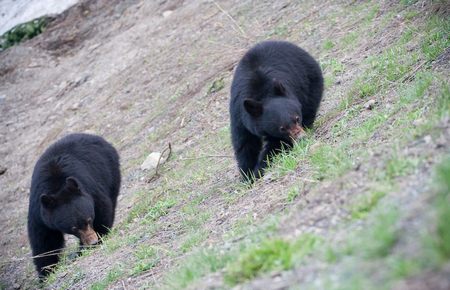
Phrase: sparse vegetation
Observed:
(269, 255)
(442, 204)
(23, 32)
(354, 205)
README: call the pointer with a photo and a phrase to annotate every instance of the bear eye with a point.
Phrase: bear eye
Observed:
(282, 129)
(74, 229)
(297, 119)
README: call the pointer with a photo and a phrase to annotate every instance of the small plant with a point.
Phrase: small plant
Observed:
(193, 240)
(23, 32)
(365, 204)
(270, 255)
(293, 193)
(334, 66)
(148, 213)
(379, 238)
(442, 204)
(216, 86)
(146, 258)
(113, 275)
(328, 44)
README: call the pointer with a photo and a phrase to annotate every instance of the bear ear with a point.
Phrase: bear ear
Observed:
(72, 184)
(48, 201)
(278, 88)
(254, 108)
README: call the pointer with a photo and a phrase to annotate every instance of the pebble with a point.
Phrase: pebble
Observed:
(152, 161)
(370, 104)
(75, 107)
(167, 13)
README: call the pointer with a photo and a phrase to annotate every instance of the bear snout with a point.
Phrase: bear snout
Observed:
(88, 236)
(297, 132)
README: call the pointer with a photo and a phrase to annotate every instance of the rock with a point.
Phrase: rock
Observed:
(418, 122)
(370, 104)
(2, 170)
(75, 107)
(152, 161)
(16, 286)
(167, 13)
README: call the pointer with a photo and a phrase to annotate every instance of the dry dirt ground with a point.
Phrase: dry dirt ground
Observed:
(143, 77)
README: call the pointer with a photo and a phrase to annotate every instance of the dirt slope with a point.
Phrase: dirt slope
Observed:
(144, 74)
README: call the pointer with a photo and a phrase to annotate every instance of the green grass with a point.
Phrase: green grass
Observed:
(442, 205)
(146, 258)
(113, 275)
(193, 239)
(333, 66)
(328, 44)
(23, 32)
(350, 39)
(366, 203)
(379, 239)
(330, 161)
(293, 193)
(437, 37)
(216, 86)
(269, 255)
(281, 30)
(198, 264)
(148, 213)
(407, 2)
(398, 165)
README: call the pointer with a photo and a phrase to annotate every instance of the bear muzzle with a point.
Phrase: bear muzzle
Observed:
(88, 236)
(296, 132)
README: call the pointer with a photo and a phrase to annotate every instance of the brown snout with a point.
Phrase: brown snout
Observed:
(88, 236)
(297, 132)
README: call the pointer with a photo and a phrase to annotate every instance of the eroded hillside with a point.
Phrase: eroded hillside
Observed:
(362, 203)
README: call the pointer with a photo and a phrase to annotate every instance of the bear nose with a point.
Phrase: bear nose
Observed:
(297, 132)
(88, 236)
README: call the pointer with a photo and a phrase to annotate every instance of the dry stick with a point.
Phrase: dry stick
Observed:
(162, 154)
(42, 255)
(232, 20)
(410, 75)
(207, 156)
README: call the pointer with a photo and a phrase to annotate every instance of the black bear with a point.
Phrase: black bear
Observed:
(74, 189)
(276, 92)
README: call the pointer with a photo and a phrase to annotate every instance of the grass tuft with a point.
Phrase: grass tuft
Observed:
(366, 203)
(442, 204)
(270, 255)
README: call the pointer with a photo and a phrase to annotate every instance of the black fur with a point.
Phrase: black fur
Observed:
(277, 87)
(76, 179)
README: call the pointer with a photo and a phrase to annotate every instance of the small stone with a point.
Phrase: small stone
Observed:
(427, 139)
(2, 170)
(16, 286)
(418, 122)
(151, 162)
(370, 104)
(167, 13)
(75, 107)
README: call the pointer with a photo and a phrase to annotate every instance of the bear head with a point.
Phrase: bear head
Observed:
(70, 211)
(277, 115)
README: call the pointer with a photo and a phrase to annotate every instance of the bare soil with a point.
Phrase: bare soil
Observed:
(124, 71)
